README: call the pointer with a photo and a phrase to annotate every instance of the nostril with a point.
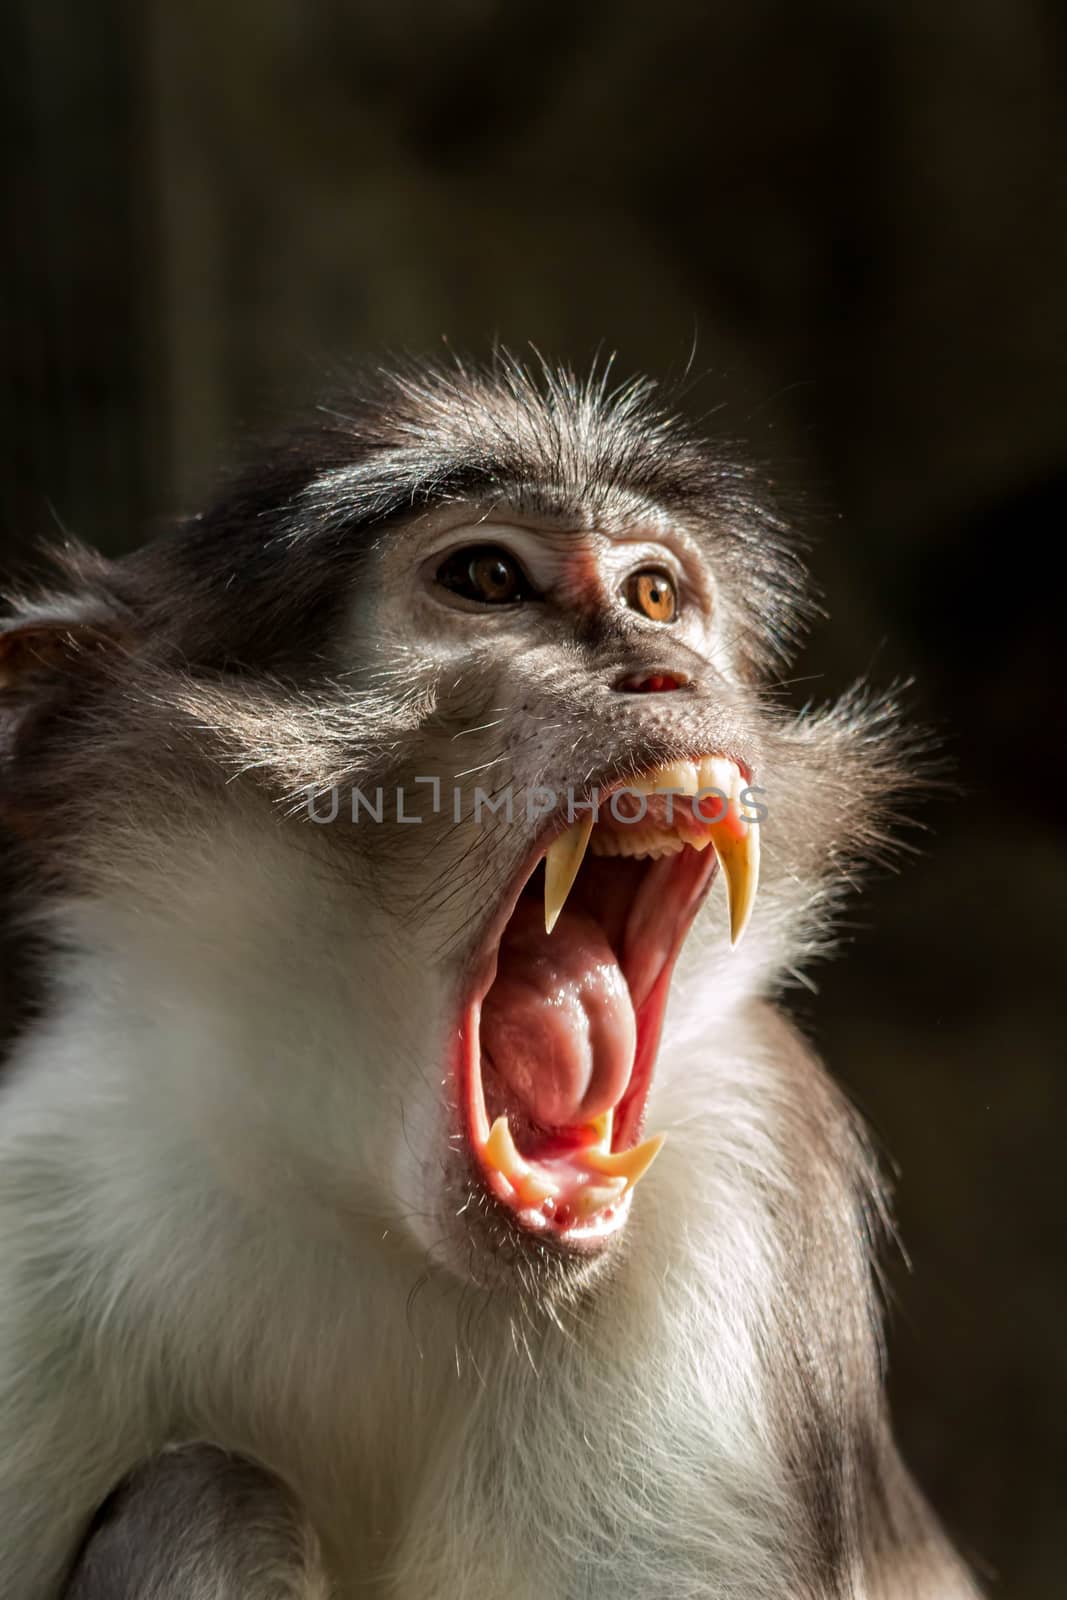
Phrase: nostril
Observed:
(652, 682)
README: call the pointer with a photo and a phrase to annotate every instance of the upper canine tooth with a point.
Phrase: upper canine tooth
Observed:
(736, 844)
(562, 860)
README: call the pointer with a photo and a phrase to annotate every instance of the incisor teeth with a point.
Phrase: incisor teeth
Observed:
(562, 861)
(534, 1189)
(678, 775)
(630, 1165)
(716, 772)
(595, 1196)
(736, 844)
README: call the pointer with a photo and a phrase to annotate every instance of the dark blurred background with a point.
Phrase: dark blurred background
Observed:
(852, 220)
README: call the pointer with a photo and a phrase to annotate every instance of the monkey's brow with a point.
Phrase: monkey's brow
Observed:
(527, 488)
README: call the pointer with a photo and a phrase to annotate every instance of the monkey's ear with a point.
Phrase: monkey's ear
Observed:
(50, 648)
(38, 649)
(48, 644)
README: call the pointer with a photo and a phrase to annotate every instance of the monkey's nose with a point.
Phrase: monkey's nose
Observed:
(657, 682)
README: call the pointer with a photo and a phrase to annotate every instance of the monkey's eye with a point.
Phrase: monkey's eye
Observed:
(484, 573)
(652, 592)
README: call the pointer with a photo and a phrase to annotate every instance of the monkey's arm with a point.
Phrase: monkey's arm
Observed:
(197, 1524)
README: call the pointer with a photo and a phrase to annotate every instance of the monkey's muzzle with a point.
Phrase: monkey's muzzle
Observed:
(559, 1039)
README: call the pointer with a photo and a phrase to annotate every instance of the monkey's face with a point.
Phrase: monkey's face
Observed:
(509, 640)
(581, 773)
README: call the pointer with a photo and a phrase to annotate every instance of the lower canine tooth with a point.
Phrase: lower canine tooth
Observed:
(500, 1153)
(630, 1165)
(562, 860)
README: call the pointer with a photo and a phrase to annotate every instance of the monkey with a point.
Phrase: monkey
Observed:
(411, 1183)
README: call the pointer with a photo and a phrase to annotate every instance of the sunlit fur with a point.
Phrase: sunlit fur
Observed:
(233, 1206)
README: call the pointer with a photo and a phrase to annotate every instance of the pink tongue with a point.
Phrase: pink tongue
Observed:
(558, 1024)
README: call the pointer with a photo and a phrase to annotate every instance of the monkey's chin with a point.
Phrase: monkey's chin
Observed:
(560, 1027)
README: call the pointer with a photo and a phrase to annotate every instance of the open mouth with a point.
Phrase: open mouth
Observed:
(560, 1032)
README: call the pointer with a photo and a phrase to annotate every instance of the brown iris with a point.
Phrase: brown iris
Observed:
(652, 592)
(484, 573)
